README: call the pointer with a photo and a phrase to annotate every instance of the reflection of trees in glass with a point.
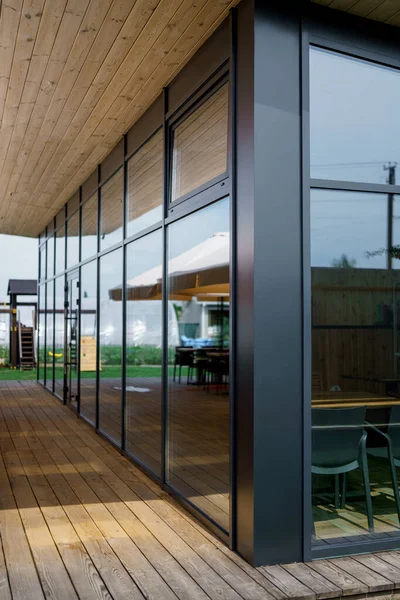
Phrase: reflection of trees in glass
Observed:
(344, 262)
(394, 252)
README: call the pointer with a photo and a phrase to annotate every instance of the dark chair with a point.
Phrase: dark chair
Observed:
(339, 446)
(391, 450)
(182, 359)
(217, 372)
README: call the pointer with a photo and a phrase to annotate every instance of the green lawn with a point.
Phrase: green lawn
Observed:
(112, 371)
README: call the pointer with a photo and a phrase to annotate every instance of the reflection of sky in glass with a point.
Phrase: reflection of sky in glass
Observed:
(354, 108)
(199, 227)
(353, 224)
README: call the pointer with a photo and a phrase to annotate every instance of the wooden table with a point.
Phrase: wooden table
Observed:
(351, 399)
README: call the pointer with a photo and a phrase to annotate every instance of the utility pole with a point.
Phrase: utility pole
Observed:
(391, 180)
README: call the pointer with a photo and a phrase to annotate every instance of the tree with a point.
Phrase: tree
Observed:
(344, 262)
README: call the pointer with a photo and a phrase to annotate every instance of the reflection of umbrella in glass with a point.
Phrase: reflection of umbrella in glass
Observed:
(202, 271)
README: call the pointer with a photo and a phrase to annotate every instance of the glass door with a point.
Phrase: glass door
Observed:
(71, 338)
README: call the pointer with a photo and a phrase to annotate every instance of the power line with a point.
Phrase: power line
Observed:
(350, 164)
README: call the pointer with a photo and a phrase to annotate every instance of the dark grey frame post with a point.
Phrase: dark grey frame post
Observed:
(269, 465)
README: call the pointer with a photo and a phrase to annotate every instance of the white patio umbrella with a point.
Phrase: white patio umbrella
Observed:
(202, 271)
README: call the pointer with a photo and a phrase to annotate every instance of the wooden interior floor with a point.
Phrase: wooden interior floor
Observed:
(78, 520)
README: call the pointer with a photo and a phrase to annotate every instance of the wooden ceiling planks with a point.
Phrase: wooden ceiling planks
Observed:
(95, 66)
(76, 74)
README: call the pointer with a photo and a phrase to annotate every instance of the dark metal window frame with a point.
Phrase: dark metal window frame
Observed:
(376, 43)
(206, 92)
(197, 199)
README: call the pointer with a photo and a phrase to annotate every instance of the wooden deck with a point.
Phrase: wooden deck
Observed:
(78, 520)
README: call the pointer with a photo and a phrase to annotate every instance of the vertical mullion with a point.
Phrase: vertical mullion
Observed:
(123, 398)
(232, 277)
(45, 318)
(38, 313)
(97, 420)
(164, 302)
(306, 290)
(78, 383)
(54, 335)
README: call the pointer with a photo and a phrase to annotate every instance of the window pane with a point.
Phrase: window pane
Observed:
(73, 240)
(200, 145)
(355, 130)
(50, 257)
(49, 335)
(88, 341)
(41, 333)
(144, 352)
(348, 226)
(59, 338)
(198, 391)
(110, 345)
(355, 364)
(60, 250)
(89, 228)
(112, 194)
(145, 185)
(42, 260)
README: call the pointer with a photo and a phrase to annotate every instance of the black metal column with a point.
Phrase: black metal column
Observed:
(269, 409)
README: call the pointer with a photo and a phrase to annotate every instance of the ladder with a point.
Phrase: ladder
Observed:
(26, 346)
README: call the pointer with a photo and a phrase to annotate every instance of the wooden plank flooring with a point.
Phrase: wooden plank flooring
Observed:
(79, 521)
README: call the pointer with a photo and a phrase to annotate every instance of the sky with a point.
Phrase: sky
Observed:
(354, 134)
(19, 260)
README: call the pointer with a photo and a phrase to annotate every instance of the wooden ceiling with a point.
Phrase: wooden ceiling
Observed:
(74, 76)
(386, 11)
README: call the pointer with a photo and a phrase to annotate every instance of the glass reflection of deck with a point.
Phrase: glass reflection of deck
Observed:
(199, 435)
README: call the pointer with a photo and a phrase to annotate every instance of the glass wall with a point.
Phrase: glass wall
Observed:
(42, 262)
(353, 117)
(88, 340)
(145, 185)
(73, 240)
(60, 250)
(41, 334)
(198, 390)
(200, 144)
(49, 335)
(50, 257)
(144, 351)
(111, 213)
(177, 346)
(355, 261)
(59, 327)
(89, 227)
(110, 334)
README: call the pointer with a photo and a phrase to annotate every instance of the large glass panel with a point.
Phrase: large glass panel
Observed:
(73, 240)
(199, 345)
(42, 261)
(144, 351)
(42, 333)
(89, 228)
(110, 322)
(145, 185)
(355, 365)
(111, 210)
(50, 257)
(88, 341)
(59, 337)
(60, 250)
(49, 335)
(355, 130)
(200, 145)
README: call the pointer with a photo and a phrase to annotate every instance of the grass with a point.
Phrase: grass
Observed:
(107, 371)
